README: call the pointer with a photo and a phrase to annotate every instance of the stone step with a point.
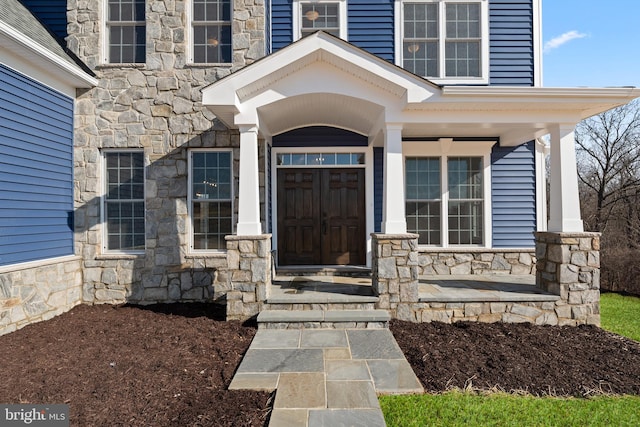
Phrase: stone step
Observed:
(334, 319)
(337, 270)
(287, 305)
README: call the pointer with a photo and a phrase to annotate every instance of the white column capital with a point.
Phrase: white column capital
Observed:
(248, 128)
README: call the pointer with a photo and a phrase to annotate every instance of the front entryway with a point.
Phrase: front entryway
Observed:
(321, 216)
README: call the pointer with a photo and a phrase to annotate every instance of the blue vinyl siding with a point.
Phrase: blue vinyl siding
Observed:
(371, 26)
(513, 199)
(36, 170)
(511, 42)
(52, 13)
(378, 186)
(369, 22)
(281, 24)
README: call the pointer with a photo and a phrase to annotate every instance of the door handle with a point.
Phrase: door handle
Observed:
(324, 226)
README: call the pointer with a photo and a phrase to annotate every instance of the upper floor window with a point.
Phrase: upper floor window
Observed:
(328, 16)
(211, 31)
(126, 31)
(446, 40)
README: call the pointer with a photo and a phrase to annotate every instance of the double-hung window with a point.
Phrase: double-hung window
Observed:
(328, 16)
(211, 31)
(445, 40)
(445, 200)
(211, 194)
(126, 31)
(123, 208)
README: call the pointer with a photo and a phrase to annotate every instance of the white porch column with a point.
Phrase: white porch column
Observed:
(249, 190)
(393, 209)
(565, 201)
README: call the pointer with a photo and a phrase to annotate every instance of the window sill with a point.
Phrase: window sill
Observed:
(122, 255)
(197, 255)
(209, 65)
(471, 249)
(461, 81)
(117, 65)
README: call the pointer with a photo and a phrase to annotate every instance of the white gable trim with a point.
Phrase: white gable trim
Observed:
(16, 50)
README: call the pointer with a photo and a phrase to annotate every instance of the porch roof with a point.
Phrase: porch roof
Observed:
(323, 80)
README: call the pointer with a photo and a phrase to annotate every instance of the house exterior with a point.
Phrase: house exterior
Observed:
(223, 139)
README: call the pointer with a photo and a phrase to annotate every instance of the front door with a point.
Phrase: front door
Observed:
(321, 216)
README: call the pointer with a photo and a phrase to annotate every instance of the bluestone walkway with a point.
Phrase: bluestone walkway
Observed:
(326, 377)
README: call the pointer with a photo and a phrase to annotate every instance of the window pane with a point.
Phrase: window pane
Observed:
(127, 33)
(320, 16)
(212, 31)
(211, 185)
(423, 194)
(462, 59)
(211, 223)
(466, 223)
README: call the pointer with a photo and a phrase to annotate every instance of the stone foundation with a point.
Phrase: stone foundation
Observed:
(248, 274)
(38, 291)
(569, 266)
(477, 261)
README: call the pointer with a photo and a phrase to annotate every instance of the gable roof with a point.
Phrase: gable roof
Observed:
(323, 80)
(22, 33)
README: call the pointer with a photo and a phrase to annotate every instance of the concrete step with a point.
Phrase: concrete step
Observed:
(332, 319)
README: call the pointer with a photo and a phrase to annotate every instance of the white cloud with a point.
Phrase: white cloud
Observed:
(562, 39)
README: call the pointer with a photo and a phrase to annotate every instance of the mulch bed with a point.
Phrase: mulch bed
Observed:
(134, 366)
(540, 360)
(171, 364)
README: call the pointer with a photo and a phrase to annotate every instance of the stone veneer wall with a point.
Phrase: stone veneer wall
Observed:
(38, 291)
(155, 107)
(569, 266)
(394, 271)
(248, 275)
(477, 261)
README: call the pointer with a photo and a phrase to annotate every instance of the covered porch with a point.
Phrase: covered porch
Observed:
(324, 81)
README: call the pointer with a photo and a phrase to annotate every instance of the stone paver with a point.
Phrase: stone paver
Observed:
(301, 391)
(282, 360)
(326, 377)
(351, 394)
(346, 418)
(373, 344)
(464, 288)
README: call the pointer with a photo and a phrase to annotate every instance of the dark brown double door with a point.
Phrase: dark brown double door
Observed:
(321, 217)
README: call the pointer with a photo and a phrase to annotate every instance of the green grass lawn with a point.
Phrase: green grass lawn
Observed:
(470, 409)
(619, 314)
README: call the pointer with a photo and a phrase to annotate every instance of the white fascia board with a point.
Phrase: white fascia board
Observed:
(72, 74)
(318, 47)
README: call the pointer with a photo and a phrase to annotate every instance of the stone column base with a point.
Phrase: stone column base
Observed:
(569, 266)
(394, 271)
(249, 273)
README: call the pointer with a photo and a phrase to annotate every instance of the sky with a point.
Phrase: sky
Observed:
(591, 43)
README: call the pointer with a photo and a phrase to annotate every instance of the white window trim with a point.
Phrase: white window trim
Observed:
(297, 12)
(445, 148)
(484, 43)
(103, 200)
(189, 226)
(189, 37)
(368, 190)
(106, 42)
